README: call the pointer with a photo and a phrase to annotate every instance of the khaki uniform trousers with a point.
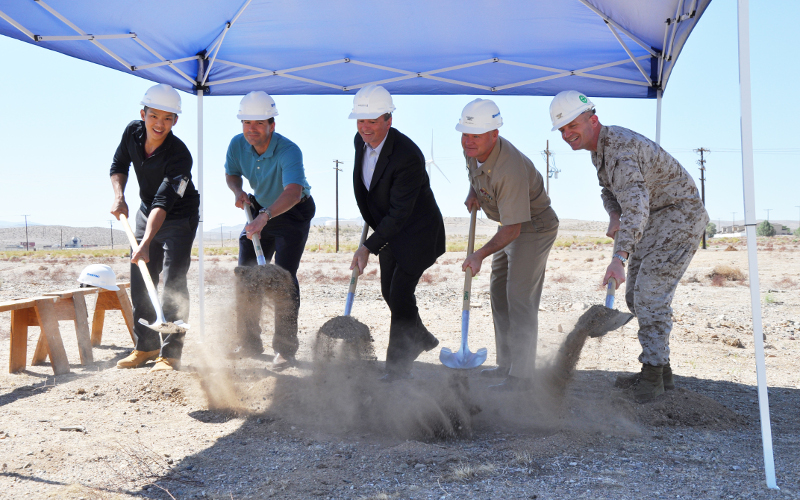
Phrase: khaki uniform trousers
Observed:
(516, 289)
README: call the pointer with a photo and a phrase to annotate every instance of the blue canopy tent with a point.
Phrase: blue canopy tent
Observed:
(605, 48)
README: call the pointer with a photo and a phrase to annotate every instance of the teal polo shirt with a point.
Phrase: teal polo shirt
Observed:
(268, 174)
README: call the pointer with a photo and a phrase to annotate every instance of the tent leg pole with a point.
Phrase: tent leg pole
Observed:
(750, 228)
(658, 116)
(201, 285)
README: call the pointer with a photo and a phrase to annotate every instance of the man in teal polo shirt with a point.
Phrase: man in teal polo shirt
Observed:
(282, 210)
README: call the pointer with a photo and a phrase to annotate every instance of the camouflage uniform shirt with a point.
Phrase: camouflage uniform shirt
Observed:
(658, 200)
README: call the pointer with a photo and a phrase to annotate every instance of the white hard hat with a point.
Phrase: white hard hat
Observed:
(257, 105)
(371, 102)
(480, 116)
(99, 275)
(566, 106)
(163, 97)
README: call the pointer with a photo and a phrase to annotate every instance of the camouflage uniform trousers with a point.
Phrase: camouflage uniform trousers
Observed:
(654, 272)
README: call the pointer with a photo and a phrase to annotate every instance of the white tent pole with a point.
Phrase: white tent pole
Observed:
(201, 285)
(658, 116)
(750, 228)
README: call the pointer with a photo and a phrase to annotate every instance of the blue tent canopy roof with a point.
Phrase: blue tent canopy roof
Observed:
(605, 48)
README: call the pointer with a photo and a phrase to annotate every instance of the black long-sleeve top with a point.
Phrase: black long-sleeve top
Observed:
(162, 177)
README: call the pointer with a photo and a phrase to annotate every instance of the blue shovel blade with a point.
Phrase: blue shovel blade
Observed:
(462, 360)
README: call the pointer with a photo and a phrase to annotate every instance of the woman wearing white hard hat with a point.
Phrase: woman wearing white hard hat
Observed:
(166, 220)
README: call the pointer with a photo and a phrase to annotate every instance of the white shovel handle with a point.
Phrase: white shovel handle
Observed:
(148, 281)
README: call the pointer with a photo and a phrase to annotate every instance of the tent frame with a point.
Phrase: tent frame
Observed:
(202, 85)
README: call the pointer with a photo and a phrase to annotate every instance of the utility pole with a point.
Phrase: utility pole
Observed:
(337, 169)
(767, 209)
(111, 227)
(221, 237)
(547, 157)
(733, 221)
(62, 239)
(702, 163)
(27, 246)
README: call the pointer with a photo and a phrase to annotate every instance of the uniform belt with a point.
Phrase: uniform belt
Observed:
(304, 198)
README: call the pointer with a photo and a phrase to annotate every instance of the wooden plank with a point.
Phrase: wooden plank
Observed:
(14, 305)
(45, 311)
(127, 309)
(65, 309)
(65, 294)
(98, 318)
(82, 329)
(19, 340)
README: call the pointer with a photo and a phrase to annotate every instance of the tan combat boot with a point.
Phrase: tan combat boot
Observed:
(137, 359)
(669, 382)
(166, 364)
(650, 385)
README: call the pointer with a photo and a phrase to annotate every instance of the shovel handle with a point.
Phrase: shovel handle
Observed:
(145, 272)
(610, 291)
(468, 272)
(256, 239)
(351, 292)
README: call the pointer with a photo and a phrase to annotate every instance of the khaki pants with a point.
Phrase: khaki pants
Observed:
(516, 289)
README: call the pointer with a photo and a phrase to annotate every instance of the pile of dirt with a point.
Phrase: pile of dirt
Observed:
(268, 280)
(344, 337)
(685, 408)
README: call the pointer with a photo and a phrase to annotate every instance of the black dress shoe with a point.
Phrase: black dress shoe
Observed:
(499, 372)
(428, 343)
(514, 384)
(394, 376)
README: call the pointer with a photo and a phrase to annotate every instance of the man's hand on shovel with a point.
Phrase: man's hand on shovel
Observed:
(360, 259)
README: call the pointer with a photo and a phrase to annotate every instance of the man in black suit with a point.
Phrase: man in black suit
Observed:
(394, 196)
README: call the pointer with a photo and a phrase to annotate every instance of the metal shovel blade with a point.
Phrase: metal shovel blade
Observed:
(599, 320)
(463, 360)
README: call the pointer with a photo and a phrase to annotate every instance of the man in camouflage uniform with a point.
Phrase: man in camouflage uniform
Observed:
(656, 217)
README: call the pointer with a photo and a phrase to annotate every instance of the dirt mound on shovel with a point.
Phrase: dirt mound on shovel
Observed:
(346, 338)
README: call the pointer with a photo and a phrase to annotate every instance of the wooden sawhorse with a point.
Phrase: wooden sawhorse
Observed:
(108, 300)
(36, 311)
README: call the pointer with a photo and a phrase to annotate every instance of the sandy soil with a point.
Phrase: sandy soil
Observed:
(233, 428)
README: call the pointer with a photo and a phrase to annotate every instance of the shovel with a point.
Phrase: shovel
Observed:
(351, 293)
(160, 325)
(262, 261)
(599, 320)
(464, 359)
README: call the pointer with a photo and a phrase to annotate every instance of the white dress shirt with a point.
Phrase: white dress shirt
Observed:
(370, 160)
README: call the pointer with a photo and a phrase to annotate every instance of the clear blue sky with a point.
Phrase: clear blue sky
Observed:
(63, 118)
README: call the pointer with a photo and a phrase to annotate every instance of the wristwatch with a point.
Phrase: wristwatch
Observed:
(266, 211)
(621, 258)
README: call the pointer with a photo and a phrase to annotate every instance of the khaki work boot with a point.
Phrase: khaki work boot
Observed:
(166, 364)
(137, 359)
(669, 382)
(650, 385)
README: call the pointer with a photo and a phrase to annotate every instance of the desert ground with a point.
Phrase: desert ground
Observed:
(226, 427)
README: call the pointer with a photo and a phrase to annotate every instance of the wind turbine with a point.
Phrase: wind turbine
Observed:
(430, 163)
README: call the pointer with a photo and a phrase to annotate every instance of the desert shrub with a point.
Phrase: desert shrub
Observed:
(711, 229)
(730, 248)
(787, 282)
(765, 229)
(562, 278)
(722, 273)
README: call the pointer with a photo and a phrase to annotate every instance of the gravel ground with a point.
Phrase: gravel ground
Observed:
(234, 428)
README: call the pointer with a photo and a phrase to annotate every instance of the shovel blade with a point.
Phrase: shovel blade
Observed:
(462, 360)
(600, 320)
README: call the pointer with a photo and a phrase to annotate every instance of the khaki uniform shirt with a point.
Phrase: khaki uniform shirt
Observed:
(509, 188)
(657, 198)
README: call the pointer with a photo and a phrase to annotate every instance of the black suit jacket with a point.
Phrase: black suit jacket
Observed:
(399, 206)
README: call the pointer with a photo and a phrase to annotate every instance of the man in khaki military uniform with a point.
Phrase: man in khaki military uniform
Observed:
(508, 188)
(657, 217)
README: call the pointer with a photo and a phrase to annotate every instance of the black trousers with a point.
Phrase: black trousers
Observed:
(284, 237)
(170, 254)
(406, 331)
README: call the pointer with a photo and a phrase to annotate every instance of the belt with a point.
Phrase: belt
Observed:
(304, 198)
